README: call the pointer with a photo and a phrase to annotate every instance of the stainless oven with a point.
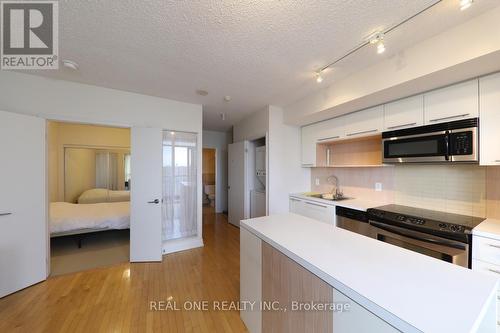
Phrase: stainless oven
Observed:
(452, 251)
(455, 141)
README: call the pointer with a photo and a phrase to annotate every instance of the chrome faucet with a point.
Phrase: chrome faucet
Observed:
(336, 191)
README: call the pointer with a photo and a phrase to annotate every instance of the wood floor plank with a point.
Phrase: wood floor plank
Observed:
(117, 298)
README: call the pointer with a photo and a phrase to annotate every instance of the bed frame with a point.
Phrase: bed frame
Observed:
(79, 234)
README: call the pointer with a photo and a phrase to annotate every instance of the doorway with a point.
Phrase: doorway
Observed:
(209, 180)
(89, 196)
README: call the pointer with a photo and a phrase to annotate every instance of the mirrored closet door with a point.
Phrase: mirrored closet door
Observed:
(179, 204)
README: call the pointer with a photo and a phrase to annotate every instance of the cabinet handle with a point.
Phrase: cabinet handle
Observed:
(363, 132)
(293, 199)
(322, 206)
(398, 126)
(497, 161)
(495, 246)
(329, 138)
(5, 214)
(450, 117)
(307, 164)
(494, 270)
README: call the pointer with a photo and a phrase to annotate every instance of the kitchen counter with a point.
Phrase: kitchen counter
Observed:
(410, 291)
(488, 228)
(354, 203)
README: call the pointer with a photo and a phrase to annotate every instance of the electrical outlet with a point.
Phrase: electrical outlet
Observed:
(316, 181)
(378, 187)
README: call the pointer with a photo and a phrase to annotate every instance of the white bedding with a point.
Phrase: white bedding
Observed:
(66, 217)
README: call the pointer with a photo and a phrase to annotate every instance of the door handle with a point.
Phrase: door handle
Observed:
(155, 201)
(5, 214)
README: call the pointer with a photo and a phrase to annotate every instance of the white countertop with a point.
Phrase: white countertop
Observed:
(488, 228)
(409, 290)
(356, 203)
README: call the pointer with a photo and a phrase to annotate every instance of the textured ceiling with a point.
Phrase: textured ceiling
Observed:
(258, 52)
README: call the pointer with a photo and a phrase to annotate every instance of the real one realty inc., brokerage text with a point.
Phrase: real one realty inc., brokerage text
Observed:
(205, 305)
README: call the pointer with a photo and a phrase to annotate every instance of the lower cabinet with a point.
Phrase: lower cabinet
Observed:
(312, 209)
(283, 293)
(486, 259)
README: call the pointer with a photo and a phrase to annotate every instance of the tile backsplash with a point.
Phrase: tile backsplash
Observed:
(461, 189)
(455, 188)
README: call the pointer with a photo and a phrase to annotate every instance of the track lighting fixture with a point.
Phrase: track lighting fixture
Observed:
(464, 4)
(378, 39)
(319, 78)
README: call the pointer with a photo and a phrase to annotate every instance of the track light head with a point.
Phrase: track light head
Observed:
(464, 4)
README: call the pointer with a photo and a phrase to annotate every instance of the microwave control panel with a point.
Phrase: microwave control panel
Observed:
(461, 143)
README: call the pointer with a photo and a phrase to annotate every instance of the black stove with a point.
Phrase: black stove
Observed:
(446, 225)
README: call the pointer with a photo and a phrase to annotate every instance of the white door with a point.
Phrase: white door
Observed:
(237, 187)
(146, 194)
(23, 203)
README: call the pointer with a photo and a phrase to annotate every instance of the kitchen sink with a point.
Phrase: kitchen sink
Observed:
(327, 196)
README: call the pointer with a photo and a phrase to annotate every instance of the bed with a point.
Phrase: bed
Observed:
(73, 219)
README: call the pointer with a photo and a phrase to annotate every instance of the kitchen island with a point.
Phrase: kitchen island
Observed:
(294, 260)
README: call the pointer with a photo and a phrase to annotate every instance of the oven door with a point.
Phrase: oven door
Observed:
(428, 147)
(440, 248)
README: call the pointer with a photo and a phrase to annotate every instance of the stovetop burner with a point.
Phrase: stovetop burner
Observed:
(448, 225)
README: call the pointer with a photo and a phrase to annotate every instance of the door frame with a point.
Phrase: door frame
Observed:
(217, 194)
(47, 166)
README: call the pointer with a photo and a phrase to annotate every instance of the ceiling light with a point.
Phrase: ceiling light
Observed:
(202, 92)
(70, 64)
(227, 98)
(319, 78)
(380, 47)
(464, 4)
(378, 38)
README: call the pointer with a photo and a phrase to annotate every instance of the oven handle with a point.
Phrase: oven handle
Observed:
(409, 234)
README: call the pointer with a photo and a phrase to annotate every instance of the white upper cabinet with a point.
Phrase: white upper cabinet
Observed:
(309, 136)
(489, 131)
(330, 130)
(404, 113)
(460, 101)
(366, 122)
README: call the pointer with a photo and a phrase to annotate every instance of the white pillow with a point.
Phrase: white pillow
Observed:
(119, 196)
(95, 195)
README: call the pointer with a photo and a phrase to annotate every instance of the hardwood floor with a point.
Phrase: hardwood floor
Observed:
(117, 298)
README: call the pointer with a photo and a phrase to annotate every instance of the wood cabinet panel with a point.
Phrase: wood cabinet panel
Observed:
(285, 281)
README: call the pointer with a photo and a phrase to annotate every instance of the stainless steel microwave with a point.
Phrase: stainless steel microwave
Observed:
(455, 141)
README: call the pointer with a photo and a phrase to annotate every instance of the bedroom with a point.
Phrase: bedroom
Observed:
(89, 193)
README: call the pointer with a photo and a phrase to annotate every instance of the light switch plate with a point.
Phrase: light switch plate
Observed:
(378, 187)
(316, 181)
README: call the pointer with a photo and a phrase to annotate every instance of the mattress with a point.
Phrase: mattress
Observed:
(67, 217)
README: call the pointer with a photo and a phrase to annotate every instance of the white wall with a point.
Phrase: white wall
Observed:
(252, 127)
(219, 141)
(465, 51)
(64, 100)
(285, 173)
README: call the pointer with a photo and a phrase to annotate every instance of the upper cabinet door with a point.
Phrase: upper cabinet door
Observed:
(460, 101)
(309, 137)
(330, 130)
(489, 94)
(363, 123)
(407, 112)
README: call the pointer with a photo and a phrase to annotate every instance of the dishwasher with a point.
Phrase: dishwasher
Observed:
(353, 220)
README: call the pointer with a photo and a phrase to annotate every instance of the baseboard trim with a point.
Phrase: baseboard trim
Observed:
(181, 245)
